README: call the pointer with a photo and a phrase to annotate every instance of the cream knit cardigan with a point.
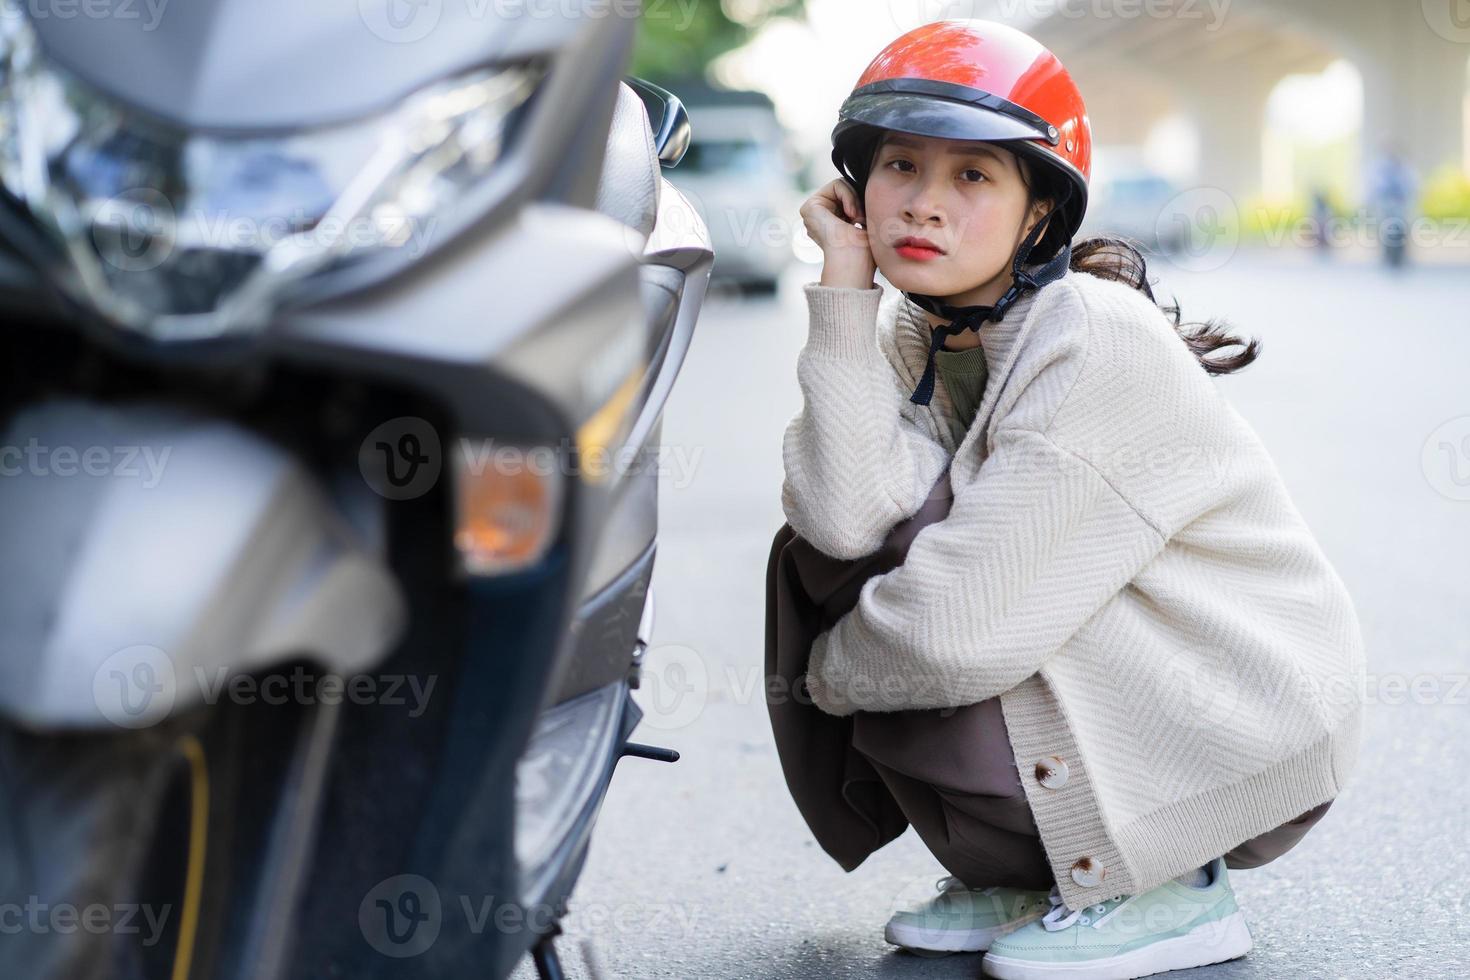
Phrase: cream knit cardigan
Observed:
(1179, 666)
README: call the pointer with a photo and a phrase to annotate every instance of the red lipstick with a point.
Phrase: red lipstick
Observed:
(919, 249)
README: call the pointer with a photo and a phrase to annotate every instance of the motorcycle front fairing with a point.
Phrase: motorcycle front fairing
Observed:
(152, 543)
(522, 319)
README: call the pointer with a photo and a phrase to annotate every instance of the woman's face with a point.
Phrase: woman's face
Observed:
(968, 198)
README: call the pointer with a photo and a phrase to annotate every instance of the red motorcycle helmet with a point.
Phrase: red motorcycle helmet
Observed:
(972, 79)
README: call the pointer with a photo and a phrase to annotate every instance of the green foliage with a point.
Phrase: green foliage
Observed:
(1446, 194)
(1267, 219)
(679, 38)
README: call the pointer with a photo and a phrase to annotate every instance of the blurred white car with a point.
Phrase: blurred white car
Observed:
(741, 174)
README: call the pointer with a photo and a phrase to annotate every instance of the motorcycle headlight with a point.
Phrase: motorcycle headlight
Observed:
(185, 234)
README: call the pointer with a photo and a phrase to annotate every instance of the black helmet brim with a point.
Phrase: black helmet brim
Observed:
(867, 112)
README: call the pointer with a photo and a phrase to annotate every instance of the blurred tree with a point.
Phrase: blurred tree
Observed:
(679, 38)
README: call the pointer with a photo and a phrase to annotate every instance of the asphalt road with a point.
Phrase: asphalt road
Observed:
(704, 868)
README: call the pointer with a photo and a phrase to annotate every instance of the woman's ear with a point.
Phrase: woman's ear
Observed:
(1037, 211)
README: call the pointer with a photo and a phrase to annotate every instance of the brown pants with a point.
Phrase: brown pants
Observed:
(955, 777)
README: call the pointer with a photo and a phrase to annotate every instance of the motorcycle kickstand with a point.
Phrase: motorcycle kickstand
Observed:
(543, 954)
(655, 752)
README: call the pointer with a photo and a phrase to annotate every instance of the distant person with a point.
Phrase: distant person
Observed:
(1392, 191)
(1322, 218)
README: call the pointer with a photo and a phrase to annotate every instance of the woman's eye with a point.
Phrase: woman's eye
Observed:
(905, 166)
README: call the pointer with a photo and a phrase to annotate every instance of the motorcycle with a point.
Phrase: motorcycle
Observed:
(335, 352)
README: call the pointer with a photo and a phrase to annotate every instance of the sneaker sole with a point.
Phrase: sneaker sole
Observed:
(1209, 942)
(953, 941)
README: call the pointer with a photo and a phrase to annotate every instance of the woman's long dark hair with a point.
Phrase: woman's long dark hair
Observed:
(1118, 259)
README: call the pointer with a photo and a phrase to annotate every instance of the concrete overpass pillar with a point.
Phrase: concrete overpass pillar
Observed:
(1231, 115)
(1414, 93)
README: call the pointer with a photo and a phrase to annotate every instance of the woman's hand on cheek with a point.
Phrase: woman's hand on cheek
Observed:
(829, 214)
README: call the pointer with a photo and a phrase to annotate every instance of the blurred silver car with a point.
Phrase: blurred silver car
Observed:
(1136, 204)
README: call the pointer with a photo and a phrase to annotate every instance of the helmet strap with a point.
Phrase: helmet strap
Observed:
(971, 317)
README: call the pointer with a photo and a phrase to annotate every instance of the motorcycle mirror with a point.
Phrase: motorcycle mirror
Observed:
(667, 116)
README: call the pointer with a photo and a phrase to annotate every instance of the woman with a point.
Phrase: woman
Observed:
(1120, 663)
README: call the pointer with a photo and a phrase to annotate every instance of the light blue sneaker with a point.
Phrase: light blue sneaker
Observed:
(1171, 927)
(964, 920)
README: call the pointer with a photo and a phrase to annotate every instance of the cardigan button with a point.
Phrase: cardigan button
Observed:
(1088, 872)
(1052, 772)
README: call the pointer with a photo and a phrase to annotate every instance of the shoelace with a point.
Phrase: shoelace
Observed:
(1059, 916)
(947, 882)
